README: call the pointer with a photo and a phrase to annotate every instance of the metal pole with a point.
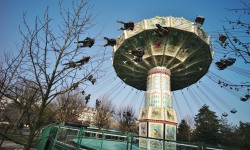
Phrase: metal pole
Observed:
(127, 141)
(67, 131)
(102, 140)
(164, 136)
(55, 139)
(131, 141)
(79, 141)
(164, 143)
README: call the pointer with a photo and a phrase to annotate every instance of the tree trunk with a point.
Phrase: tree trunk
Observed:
(33, 129)
(18, 121)
(28, 145)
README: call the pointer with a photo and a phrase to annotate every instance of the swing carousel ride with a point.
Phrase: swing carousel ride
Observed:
(162, 55)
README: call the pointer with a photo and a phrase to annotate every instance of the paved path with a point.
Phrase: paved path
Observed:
(10, 145)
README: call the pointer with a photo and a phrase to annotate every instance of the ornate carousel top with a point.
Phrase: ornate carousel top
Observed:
(180, 45)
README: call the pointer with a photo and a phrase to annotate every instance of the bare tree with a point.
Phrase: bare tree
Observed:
(235, 44)
(8, 117)
(126, 119)
(53, 62)
(104, 112)
(23, 99)
(69, 106)
(28, 102)
(235, 39)
(9, 71)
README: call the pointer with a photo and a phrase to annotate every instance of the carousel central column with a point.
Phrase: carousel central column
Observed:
(158, 118)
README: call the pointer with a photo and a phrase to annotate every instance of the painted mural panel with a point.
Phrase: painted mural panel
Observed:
(170, 132)
(143, 129)
(182, 23)
(156, 130)
(143, 143)
(157, 20)
(144, 113)
(156, 113)
(170, 146)
(155, 144)
(170, 113)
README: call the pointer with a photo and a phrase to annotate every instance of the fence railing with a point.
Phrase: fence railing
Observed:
(70, 138)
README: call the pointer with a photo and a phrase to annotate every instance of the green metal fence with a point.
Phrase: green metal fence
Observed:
(58, 137)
